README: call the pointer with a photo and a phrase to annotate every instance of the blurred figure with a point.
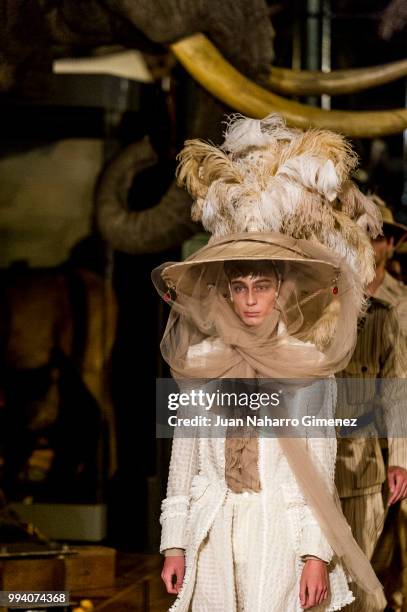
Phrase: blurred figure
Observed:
(390, 558)
(394, 268)
(361, 473)
(385, 286)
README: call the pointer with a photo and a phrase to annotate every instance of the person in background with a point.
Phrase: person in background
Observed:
(390, 557)
(366, 485)
(385, 286)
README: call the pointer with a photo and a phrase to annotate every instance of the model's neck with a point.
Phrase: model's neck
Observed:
(378, 279)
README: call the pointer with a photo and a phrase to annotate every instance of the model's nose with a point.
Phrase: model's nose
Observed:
(251, 297)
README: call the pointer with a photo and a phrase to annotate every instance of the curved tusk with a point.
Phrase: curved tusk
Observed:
(205, 64)
(315, 83)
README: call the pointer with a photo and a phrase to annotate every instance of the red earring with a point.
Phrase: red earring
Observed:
(334, 285)
(169, 295)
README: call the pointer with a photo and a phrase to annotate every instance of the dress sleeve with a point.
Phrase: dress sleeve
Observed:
(175, 506)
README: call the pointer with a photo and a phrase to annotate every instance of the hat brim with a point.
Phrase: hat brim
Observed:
(208, 261)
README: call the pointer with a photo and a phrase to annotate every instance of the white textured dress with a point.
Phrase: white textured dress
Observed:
(243, 552)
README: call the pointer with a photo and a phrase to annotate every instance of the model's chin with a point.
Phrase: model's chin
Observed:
(253, 321)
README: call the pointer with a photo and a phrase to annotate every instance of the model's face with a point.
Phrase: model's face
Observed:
(383, 249)
(253, 298)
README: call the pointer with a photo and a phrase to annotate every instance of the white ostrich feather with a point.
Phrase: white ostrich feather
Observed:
(271, 209)
(313, 172)
(242, 132)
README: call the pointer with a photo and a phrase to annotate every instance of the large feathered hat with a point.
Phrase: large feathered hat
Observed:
(266, 177)
(292, 187)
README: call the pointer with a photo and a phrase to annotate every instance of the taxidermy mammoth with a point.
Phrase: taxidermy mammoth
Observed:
(227, 47)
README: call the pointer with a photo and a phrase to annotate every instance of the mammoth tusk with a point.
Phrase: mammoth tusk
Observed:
(205, 64)
(315, 83)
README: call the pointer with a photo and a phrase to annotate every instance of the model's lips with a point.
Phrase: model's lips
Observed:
(251, 314)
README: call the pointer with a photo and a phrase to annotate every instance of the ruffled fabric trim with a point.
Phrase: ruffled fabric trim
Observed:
(241, 464)
(173, 521)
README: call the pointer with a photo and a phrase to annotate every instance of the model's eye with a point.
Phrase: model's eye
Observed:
(263, 287)
(238, 288)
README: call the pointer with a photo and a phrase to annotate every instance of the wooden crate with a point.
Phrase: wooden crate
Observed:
(32, 575)
(92, 568)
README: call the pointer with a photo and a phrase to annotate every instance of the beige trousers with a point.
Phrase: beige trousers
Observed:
(365, 515)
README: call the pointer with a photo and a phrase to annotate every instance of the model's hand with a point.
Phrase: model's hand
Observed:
(314, 583)
(173, 566)
(397, 479)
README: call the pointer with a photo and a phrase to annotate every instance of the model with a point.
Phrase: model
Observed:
(253, 523)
